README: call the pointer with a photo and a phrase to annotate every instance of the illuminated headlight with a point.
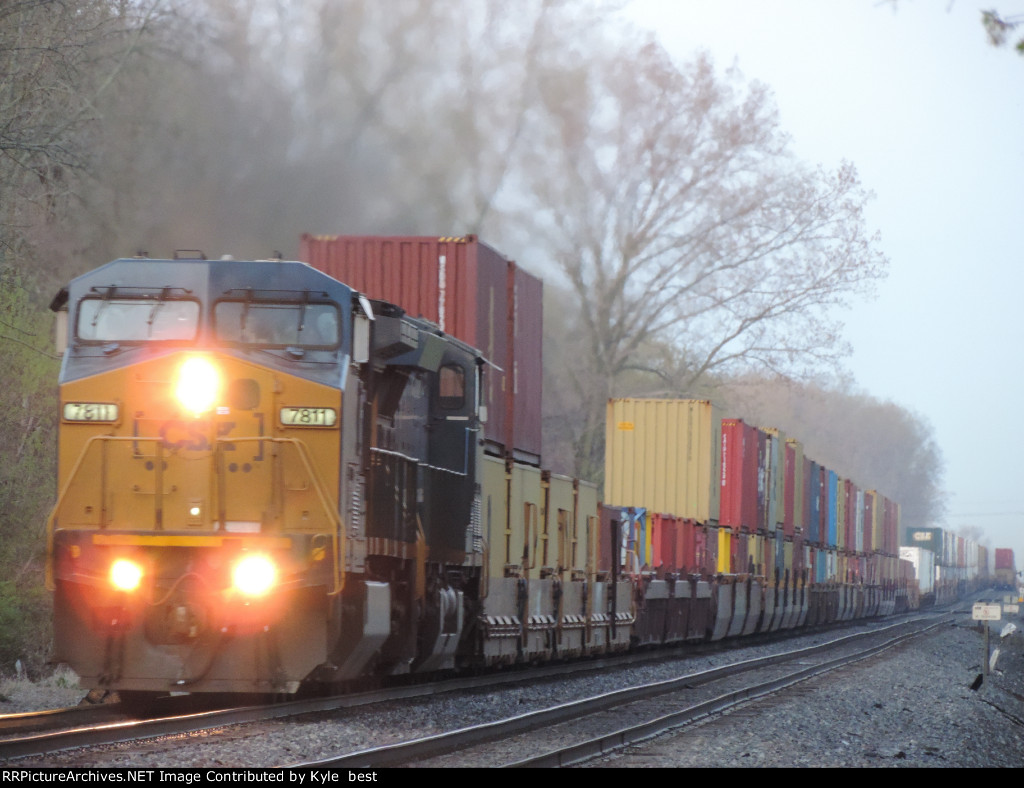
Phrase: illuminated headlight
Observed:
(254, 575)
(125, 575)
(198, 386)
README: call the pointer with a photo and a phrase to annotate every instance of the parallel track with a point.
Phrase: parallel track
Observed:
(114, 728)
(593, 713)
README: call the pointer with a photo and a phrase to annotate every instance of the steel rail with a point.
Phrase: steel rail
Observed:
(419, 749)
(635, 734)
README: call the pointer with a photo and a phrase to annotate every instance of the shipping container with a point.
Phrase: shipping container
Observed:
(1005, 559)
(774, 479)
(741, 498)
(624, 539)
(891, 528)
(923, 561)
(929, 539)
(662, 455)
(833, 511)
(471, 292)
(674, 541)
(812, 502)
(780, 555)
(706, 541)
(794, 495)
(868, 524)
(1004, 576)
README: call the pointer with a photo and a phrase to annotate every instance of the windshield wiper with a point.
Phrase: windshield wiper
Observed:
(161, 299)
(302, 314)
(103, 304)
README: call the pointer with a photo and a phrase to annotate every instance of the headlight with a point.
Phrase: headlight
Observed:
(254, 575)
(198, 386)
(125, 575)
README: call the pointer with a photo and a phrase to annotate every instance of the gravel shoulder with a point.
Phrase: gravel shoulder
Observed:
(911, 707)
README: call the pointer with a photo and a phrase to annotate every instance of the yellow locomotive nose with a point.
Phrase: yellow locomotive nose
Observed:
(198, 385)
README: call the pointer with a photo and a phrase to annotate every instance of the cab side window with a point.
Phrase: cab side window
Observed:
(452, 387)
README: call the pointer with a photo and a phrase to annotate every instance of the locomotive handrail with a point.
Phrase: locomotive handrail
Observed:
(333, 516)
(48, 579)
(303, 451)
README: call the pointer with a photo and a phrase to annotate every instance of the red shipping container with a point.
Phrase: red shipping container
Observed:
(869, 517)
(688, 557)
(674, 544)
(663, 543)
(705, 550)
(1004, 558)
(740, 456)
(471, 292)
(850, 515)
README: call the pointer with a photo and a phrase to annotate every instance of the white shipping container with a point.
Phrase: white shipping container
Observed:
(924, 567)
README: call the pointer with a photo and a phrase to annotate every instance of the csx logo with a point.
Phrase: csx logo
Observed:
(193, 435)
(190, 435)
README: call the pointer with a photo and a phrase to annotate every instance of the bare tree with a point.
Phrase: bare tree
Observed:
(58, 58)
(675, 212)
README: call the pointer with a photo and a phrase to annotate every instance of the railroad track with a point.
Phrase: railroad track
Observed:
(574, 732)
(108, 728)
(38, 734)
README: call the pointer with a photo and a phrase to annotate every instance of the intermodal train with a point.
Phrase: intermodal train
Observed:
(285, 474)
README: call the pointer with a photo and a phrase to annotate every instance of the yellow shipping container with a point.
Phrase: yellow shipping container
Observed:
(725, 537)
(875, 523)
(663, 455)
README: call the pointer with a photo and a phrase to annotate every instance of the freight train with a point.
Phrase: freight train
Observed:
(273, 476)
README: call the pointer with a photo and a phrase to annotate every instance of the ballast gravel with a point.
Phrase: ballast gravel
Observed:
(923, 704)
(920, 704)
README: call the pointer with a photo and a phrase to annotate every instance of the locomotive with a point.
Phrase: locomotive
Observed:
(269, 479)
(264, 477)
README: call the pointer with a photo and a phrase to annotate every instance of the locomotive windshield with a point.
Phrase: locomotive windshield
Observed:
(277, 324)
(137, 319)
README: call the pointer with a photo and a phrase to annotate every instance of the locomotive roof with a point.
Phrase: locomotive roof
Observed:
(207, 279)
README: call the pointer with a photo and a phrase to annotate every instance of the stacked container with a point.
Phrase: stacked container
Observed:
(773, 469)
(662, 455)
(742, 480)
(471, 292)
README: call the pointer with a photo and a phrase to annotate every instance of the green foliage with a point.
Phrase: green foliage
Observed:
(28, 407)
(25, 625)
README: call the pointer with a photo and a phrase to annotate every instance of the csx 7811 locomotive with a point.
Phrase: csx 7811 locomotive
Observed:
(264, 478)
